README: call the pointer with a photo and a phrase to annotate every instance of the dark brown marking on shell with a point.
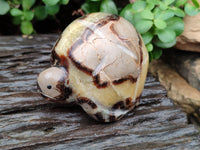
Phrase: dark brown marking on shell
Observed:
(64, 62)
(99, 117)
(112, 118)
(106, 20)
(65, 92)
(87, 33)
(131, 78)
(115, 32)
(59, 61)
(54, 56)
(140, 46)
(141, 58)
(128, 100)
(57, 42)
(96, 81)
(119, 105)
(90, 30)
(128, 104)
(74, 46)
(113, 17)
(119, 81)
(55, 60)
(75, 62)
(82, 100)
(68, 92)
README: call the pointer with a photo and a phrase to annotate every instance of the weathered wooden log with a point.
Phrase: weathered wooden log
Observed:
(27, 121)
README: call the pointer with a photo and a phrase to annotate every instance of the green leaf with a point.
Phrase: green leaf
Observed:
(26, 27)
(149, 6)
(154, 2)
(156, 53)
(64, 2)
(158, 43)
(160, 24)
(86, 8)
(52, 10)
(28, 15)
(162, 5)
(157, 10)
(128, 14)
(143, 26)
(176, 24)
(164, 14)
(147, 37)
(16, 2)
(168, 2)
(166, 35)
(138, 6)
(136, 17)
(191, 10)
(90, 7)
(50, 2)
(196, 3)
(150, 56)
(149, 47)
(109, 7)
(147, 14)
(178, 12)
(4, 7)
(16, 20)
(40, 12)
(180, 3)
(27, 4)
(15, 12)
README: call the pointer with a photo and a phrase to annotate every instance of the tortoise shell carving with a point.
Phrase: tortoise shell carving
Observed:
(100, 63)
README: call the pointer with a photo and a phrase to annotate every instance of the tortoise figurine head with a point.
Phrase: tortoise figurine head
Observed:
(100, 62)
(52, 84)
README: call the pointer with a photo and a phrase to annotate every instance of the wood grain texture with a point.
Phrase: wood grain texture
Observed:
(27, 121)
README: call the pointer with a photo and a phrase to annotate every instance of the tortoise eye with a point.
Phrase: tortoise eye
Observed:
(49, 86)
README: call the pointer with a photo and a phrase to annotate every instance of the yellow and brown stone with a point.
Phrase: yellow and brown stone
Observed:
(106, 61)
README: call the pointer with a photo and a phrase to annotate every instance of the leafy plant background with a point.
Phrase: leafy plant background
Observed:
(158, 21)
(23, 12)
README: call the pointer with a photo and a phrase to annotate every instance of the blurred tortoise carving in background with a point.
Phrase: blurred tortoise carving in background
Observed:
(100, 63)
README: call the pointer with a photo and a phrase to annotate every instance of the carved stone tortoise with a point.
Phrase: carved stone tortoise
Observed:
(100, 63)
